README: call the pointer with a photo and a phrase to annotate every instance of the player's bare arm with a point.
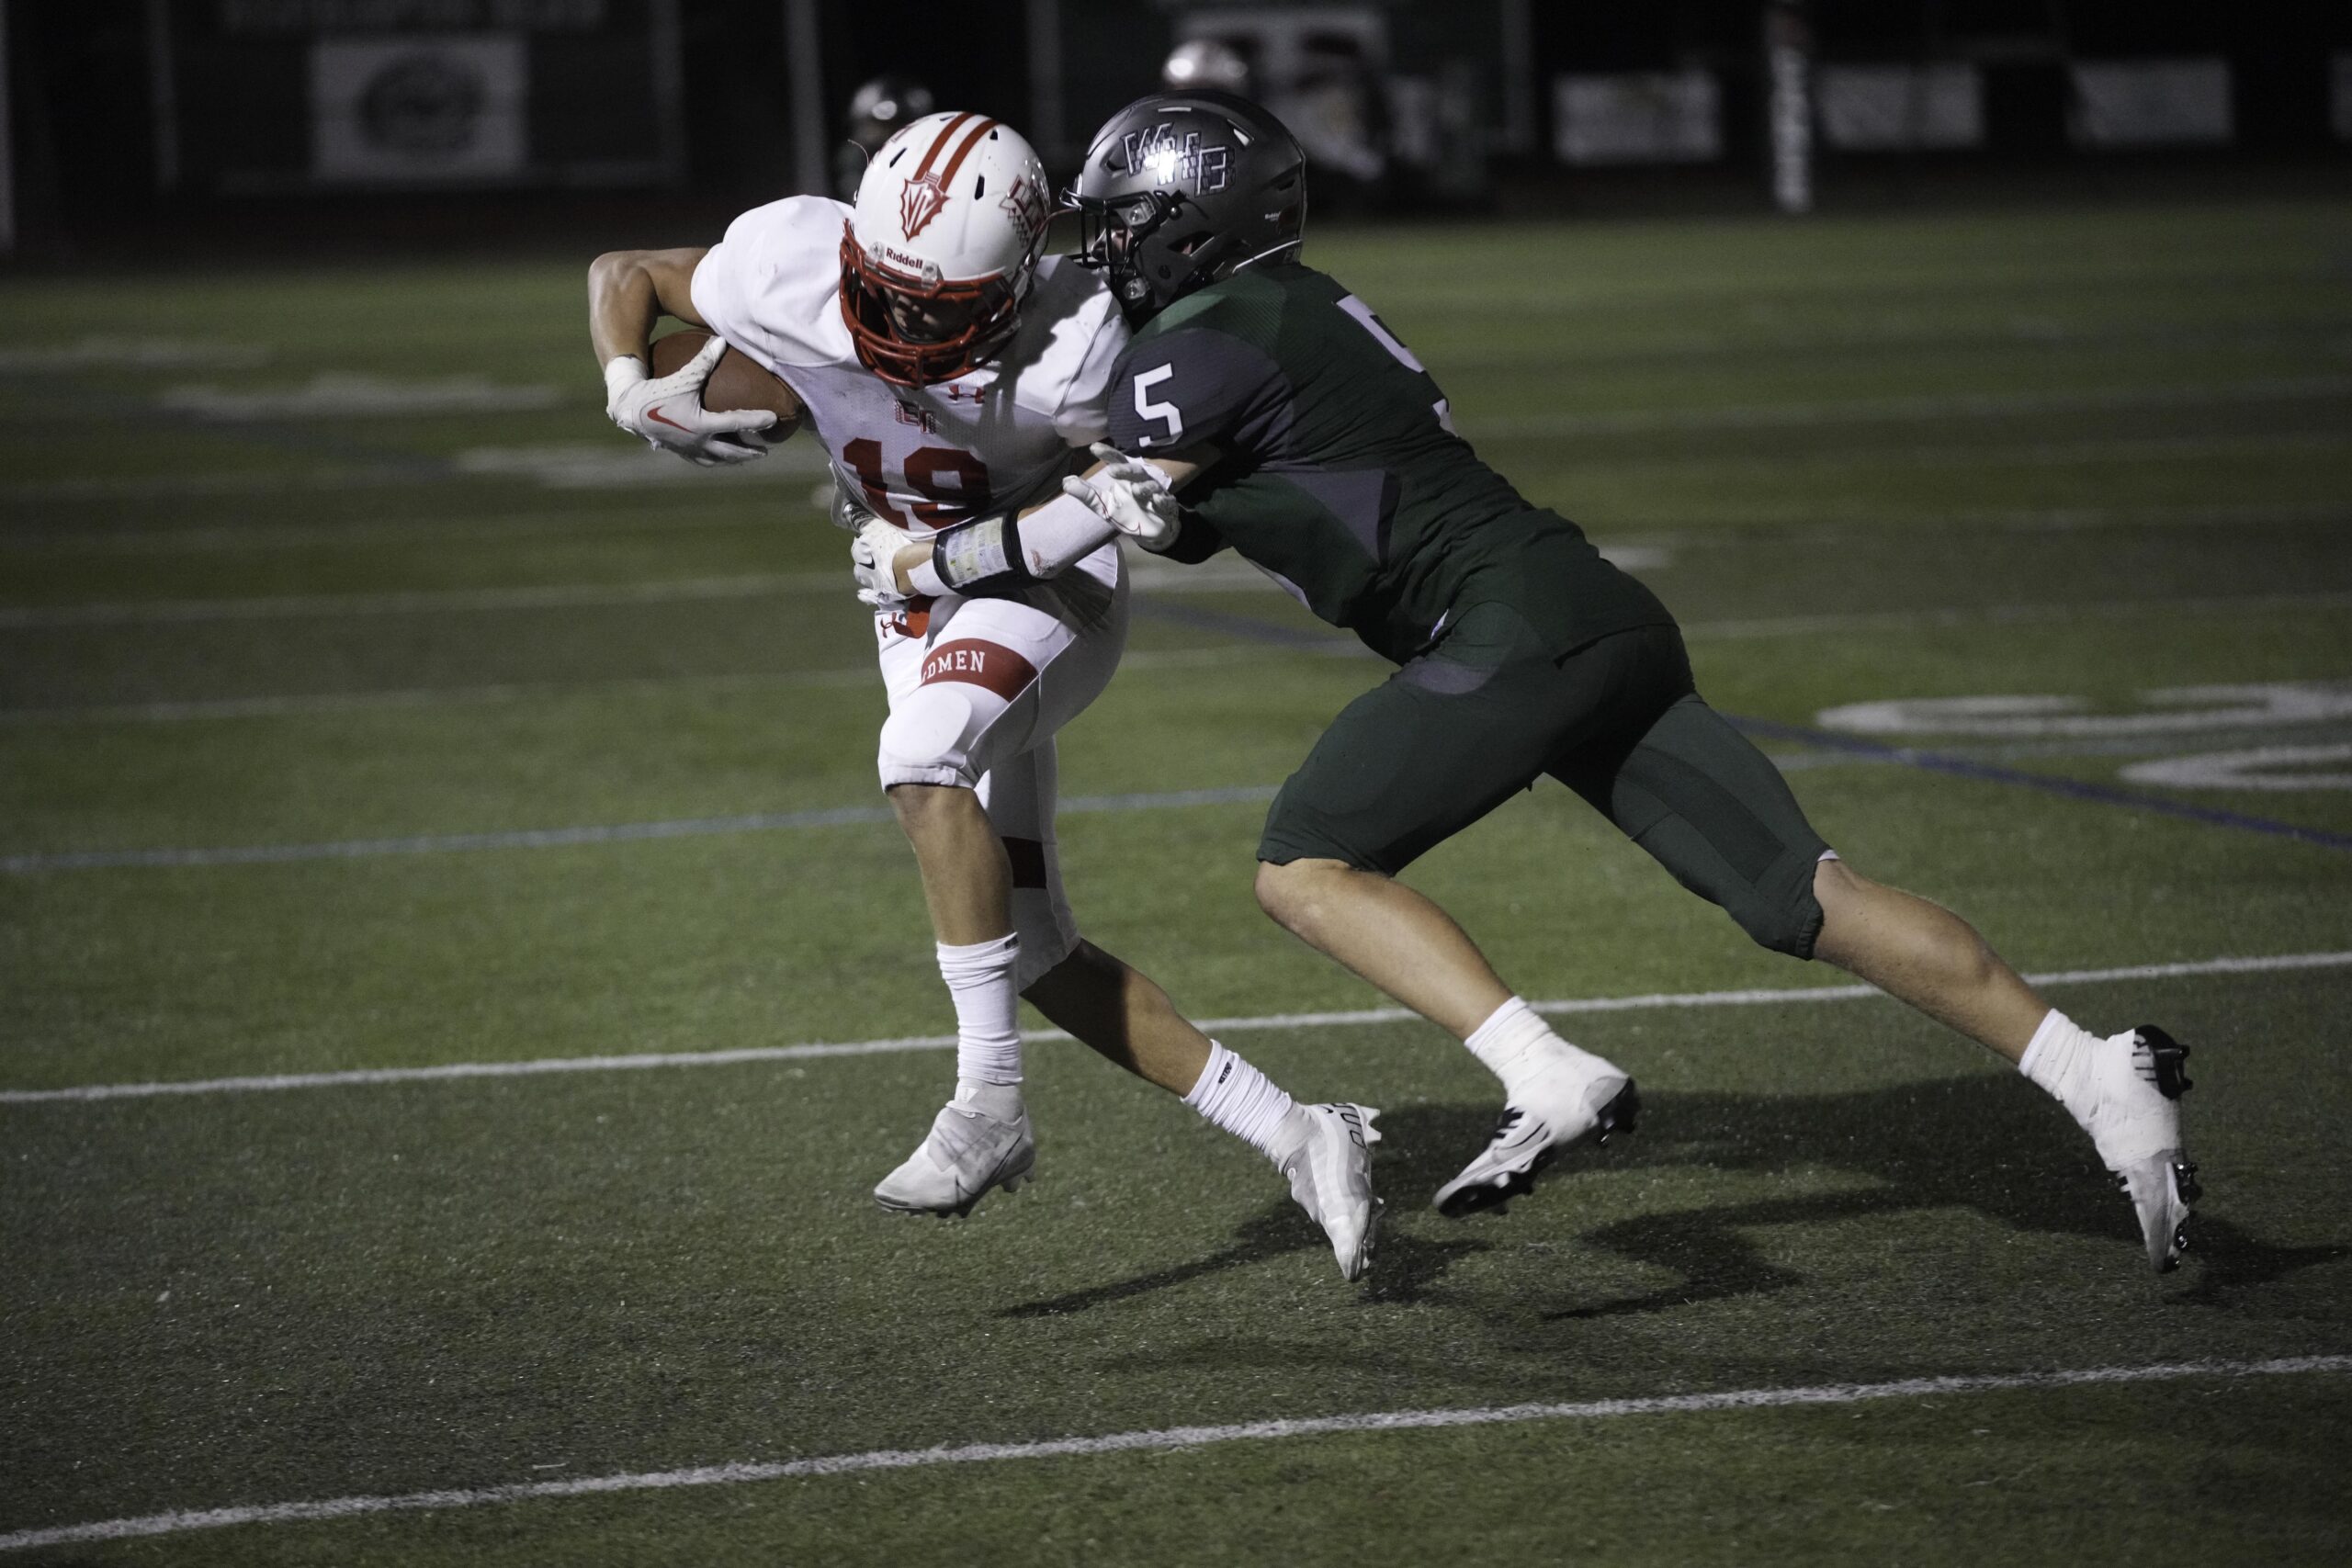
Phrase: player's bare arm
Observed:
(1115, 494)
(628, 292)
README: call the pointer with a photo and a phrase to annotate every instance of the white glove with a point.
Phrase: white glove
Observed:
(1130, 495)
(873, 555)
(667, 411)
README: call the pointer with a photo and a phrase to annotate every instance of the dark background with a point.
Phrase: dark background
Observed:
(88, 188)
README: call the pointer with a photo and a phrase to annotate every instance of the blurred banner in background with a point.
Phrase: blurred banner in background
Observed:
(257, 96)
(139, 118)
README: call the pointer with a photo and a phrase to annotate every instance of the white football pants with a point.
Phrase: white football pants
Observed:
(979, 688)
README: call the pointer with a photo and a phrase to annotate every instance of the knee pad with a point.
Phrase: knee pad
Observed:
(929, 736)
(1047, 933)
(1780, 912)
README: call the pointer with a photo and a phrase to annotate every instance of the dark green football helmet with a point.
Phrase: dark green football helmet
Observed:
(1183, 188)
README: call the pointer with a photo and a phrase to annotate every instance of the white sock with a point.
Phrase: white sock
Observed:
(1517, 1045)
(2058, 1058)
(1244, 1102)
(987, 1032)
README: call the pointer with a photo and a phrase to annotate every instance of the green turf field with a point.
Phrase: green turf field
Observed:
(366, 702)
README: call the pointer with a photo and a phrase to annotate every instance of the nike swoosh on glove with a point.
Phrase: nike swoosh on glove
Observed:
(667, 412)
(873, 556)
(1130, 495)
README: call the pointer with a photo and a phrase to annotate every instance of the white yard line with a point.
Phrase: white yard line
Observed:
(289, 705)
(275, 705)
(1876, 411)
(544, 596)
(1211, 578)
(2118, 449)
(682, 513)
(2004, 614)
(263, 1083)
(1164, 1439)
(568, 838)
(654, 515)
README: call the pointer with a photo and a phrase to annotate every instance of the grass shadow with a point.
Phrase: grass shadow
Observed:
(1966, 1142)
(1973, 1142)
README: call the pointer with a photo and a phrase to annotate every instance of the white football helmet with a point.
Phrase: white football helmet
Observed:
(941, 247)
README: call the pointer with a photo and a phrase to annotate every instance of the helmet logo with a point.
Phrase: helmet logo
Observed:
(1026, 204)
(919, 202)
(1177, 158)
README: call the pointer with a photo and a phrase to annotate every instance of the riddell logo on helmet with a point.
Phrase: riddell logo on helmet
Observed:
(919, 203)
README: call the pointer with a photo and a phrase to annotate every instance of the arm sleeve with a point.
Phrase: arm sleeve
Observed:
(1195, 543)
(1196, 386)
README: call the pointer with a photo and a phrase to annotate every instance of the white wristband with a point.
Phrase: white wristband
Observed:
(621, 373)
(924, 579)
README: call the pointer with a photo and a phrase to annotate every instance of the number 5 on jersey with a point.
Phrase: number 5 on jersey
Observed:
(1166, 412)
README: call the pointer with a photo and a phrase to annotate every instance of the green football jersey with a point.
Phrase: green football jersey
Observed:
(1339, 473)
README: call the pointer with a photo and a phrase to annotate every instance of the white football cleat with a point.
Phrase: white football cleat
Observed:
(1329, 1167)
(2137, 1079)
(1536, 1125)
(968, 1153)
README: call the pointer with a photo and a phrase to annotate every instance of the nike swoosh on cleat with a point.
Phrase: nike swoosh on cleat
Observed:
(1535, 1134)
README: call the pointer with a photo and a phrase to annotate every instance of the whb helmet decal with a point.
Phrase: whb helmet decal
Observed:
(1181, 189)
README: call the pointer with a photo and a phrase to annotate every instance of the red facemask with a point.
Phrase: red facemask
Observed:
(986, 309)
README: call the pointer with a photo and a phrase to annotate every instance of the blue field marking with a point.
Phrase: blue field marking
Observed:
(560, 838)
(2073, 789)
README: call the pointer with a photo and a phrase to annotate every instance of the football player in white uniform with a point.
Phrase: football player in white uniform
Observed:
(950, 370)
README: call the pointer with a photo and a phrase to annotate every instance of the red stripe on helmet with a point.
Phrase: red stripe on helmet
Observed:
(947, 175)
(944, 132)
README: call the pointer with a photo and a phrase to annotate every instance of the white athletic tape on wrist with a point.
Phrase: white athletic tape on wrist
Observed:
(973, 553)
(924, 581)
(1061, 533)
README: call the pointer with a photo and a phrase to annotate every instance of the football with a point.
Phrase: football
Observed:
(738, 382)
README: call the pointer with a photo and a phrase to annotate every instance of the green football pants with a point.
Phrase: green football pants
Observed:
(1458, 730)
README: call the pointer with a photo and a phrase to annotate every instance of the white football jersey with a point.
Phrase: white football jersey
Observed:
(926, 457)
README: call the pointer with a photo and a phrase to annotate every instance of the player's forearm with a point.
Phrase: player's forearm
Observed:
(1038, 541)
(629, 290)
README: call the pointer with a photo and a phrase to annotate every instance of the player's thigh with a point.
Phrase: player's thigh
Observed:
(992, 679)
(1699, 796)
(1439, 745)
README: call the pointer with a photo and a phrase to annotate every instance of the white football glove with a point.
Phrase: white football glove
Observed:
(1130, 495)
(667, 410)
(873, 555)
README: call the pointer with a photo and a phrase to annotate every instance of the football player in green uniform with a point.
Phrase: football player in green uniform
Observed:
(1263, 407)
